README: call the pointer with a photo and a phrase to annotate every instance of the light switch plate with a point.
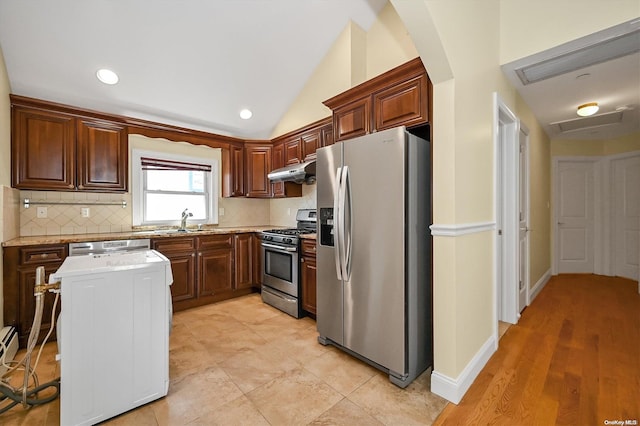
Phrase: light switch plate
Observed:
(85, 212)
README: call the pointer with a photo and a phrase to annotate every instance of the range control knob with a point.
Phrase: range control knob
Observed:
(288, 240)
(267, 237)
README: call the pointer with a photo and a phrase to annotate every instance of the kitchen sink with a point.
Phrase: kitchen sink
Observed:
(168, 231)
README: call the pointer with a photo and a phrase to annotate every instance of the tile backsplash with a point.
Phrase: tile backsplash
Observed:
(63, 219)
(67, 218)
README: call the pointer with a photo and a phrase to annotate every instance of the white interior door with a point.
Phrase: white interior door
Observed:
(626, 216)
(523, 216)
(575, 216)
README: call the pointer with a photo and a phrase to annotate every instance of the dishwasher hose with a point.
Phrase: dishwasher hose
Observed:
(25, 395)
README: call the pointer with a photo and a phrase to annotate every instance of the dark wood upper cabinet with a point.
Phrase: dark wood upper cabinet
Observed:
(399, 97)
(42, 150)
(402, 105)
(277, 161)
(310, 142)
(233, 171)
(258, 165)
(56, 150)
(352, 120)
(292, 150)
(102, 156)
(237, 161)
(326, 135)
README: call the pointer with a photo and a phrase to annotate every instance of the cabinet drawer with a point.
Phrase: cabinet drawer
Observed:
(174, 244)
(309, 247)
(39, 255)
(212, 242)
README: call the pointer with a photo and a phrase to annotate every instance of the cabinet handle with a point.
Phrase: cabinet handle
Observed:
(302, 260)
(44, 255)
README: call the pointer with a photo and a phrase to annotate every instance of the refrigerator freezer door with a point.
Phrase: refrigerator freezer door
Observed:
(374, 297)
(329, 292)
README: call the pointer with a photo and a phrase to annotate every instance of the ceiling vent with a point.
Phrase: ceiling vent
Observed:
(615, 42)
(609, 119)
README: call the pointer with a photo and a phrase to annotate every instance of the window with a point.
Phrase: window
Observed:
(166, 184)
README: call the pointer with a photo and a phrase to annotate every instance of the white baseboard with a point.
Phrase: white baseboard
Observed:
(454, 389)
(539, 285)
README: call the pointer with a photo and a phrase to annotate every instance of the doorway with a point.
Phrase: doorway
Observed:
(597, 215)
(511, 211)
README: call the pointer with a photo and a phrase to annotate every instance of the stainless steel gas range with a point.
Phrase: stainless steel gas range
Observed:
(281, 260)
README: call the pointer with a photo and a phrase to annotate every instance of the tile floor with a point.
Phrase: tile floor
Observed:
(241, 362)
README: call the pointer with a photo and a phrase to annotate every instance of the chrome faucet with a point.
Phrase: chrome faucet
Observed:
(183, 221)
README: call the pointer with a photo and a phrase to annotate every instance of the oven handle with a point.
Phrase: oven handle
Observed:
(275, 247)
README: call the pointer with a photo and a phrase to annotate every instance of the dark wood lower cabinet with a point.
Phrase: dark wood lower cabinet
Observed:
(19, 277)
(308, 271)
(211, 268)
(215, 272)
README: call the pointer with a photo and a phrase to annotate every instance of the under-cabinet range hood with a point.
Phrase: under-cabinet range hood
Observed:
(297, 173)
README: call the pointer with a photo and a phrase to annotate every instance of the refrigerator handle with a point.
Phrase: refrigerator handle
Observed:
(346, 224)
(336, 222)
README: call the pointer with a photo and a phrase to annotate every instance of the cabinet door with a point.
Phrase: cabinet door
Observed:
(43, 150)
(326, 133)
(244, 261)
(237, 166)
(183, 268)
(310, 142)
(277, 161)
(215, 272)
(27, 306)
(352, 120)
(256, 255)
(258, 166)
(308, 280)
(102, 156)
(405, 104)
(292, 151)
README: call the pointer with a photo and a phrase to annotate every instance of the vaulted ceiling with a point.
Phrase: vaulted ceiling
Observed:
(196, 64)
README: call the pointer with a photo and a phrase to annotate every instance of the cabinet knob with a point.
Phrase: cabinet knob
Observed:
(302, 260)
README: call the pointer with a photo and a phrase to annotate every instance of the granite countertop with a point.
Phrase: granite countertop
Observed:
(136, 234)
(308, 236)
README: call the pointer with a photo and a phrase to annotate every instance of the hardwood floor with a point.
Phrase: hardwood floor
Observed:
(573, 359)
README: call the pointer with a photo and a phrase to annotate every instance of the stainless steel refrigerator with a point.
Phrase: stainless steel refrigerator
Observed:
(373, 251)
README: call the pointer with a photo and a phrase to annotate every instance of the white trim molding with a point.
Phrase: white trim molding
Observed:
(535, 290)
(461, 229)
(454, 389)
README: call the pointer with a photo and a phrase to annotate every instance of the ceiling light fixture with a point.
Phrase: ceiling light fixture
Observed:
(245, 114)
(588, 109)
(107, 76)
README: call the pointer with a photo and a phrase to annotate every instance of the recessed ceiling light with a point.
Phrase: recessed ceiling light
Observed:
(588, 109)
(245, 114)
(107, 76)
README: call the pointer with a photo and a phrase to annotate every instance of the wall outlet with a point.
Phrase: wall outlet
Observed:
(221, 211)
(85, 212)
(41, 212)
(289, 212)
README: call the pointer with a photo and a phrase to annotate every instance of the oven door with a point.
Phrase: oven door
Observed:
(280, 268)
